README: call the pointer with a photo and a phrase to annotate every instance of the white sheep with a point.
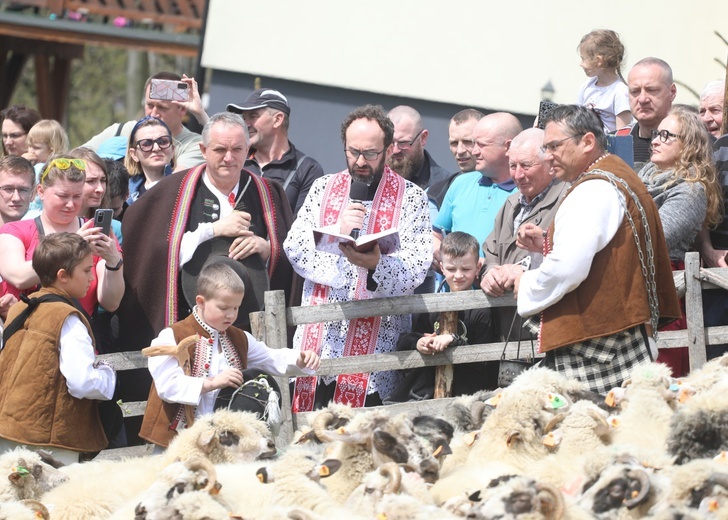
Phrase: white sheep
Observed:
(23, 510)
(27, 476)
(159, 501)
(389, 479)
(649, 403)
(98, 488)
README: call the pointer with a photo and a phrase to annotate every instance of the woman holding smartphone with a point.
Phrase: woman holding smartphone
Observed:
(149, 155)
(61, 189)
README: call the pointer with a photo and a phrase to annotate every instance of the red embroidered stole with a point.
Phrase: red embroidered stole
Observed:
(362, 333)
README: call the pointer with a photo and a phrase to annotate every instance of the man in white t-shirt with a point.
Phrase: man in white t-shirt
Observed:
(186, 143)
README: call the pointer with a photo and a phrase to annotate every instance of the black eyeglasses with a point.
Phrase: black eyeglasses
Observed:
(403, 145)
(369, 155)
(146, 145)
(10, 190)
(664, 134)
(554, 145)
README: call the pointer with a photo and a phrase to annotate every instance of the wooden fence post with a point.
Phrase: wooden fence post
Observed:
(276, 333)
(694, 311)
(448, 324)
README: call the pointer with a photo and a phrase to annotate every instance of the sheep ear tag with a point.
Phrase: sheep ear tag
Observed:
(493, 401)
(556, 400)
(610, 400)
(721, 458)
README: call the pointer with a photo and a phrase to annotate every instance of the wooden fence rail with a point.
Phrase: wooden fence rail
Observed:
(271, 326)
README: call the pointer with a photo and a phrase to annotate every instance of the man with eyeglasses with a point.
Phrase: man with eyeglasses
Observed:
(391, 202)
(651, 93)
(409, 157)
(605, 283)
(272, 155)
(474, 199)
(186, 142)
(17, 178)
(16, 187)
(216, 209)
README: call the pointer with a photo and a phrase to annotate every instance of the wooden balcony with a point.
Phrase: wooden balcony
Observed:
(179, 14)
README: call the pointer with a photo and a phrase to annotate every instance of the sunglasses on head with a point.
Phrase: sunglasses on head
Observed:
(63, 164)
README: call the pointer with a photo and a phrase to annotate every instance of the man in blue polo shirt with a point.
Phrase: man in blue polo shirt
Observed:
(474, 199)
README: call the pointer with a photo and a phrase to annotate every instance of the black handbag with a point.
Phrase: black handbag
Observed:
(509, 369)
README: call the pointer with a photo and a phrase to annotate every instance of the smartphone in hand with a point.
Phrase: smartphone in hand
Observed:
(102, 219)
(168, 90)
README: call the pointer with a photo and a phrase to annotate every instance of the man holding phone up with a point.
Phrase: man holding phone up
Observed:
(186, 143)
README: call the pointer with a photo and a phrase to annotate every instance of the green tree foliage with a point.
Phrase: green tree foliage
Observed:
(97, 96)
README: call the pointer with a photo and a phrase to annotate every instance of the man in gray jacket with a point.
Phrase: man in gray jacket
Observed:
(535, 202)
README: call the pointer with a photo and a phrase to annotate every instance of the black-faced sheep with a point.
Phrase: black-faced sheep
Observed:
(622, 491)
(513, 497)
(699, 429)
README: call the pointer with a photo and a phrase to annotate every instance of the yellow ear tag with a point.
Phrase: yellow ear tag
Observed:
(261, 477)
(341, 430)
(324, 471)
(722, 457)
(548, 440)
(614, 422)
(610, 400)
(381, 516)
(684, 396)
(437, 452)
(216, 489)
(713, 505)
(469, 438)
(493, 401)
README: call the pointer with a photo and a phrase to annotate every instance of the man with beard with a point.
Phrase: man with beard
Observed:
(392, 202)
(409, 157)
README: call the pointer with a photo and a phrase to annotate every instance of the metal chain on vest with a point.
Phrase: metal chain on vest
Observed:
(648, 267)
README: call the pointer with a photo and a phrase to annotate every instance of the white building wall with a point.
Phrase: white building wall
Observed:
(468, 52)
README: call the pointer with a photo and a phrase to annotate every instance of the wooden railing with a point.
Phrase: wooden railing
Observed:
(183, 14)
(272, 324)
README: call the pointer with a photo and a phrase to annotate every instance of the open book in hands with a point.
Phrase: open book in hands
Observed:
(328, 240)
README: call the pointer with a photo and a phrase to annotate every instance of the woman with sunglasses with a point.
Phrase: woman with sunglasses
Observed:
(682, 180)
(149, 155)
(61, 189)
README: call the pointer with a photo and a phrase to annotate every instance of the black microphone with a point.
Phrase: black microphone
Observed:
(358, 192)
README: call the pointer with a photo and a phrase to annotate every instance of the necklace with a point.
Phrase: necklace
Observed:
(599, 159)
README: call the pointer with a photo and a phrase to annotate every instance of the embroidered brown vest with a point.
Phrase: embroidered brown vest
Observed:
(35, 406)
(613, 297)
(159, 415)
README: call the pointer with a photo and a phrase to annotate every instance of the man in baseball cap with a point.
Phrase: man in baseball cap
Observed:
(272, 155)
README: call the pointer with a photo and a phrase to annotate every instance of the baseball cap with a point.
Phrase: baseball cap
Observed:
(263, 97)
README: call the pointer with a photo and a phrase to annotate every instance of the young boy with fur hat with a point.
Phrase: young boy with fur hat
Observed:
(195, 358)
(51, 382)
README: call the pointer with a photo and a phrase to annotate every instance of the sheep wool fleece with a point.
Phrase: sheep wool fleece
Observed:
(35, 405)
(159, 415)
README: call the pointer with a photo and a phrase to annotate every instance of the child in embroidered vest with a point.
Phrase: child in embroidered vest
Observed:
(460, 266)
(54, 336)
(219, 356)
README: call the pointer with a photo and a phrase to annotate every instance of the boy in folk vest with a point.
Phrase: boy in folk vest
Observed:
(217, 353)
(50, 380)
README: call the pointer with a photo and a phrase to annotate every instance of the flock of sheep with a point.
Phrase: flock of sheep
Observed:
(543, 448)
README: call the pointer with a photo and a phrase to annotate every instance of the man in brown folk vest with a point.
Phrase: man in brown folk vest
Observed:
(597, 315)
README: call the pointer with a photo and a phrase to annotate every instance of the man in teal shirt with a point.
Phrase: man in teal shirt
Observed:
(474, 199)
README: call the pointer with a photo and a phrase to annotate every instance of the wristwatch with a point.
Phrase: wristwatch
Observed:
(116, 267)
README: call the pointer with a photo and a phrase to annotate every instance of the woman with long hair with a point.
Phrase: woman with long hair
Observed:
(17, 120)
(683, 182)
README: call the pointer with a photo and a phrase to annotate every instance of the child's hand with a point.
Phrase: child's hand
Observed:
(424, 344)
(231, 377)
(441, 342)
(308, 359)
